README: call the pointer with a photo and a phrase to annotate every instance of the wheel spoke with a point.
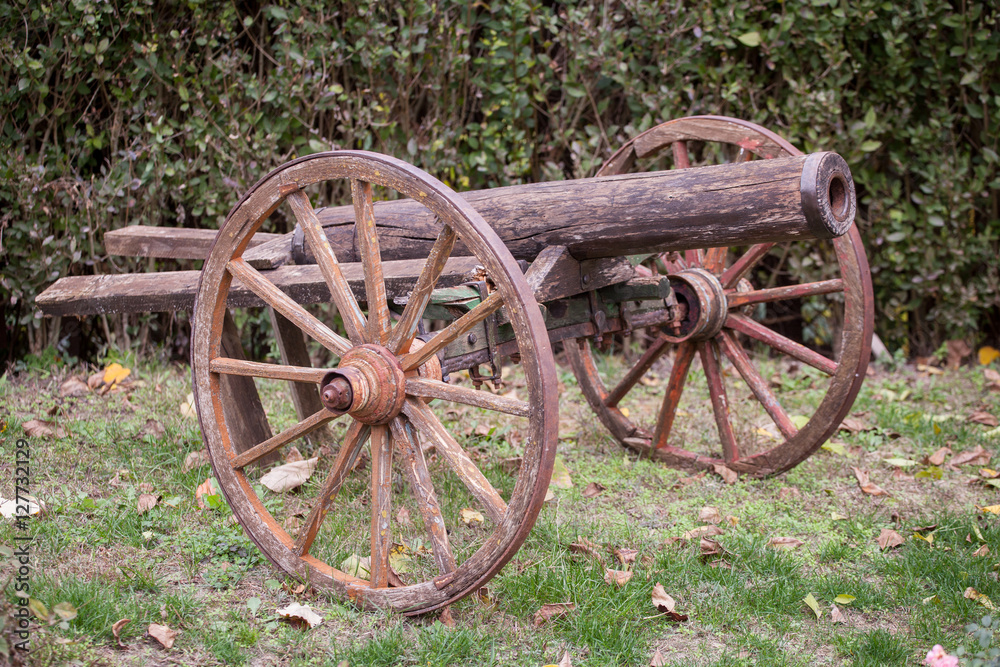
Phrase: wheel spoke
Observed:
(738, 299)
(425, 420)
(798, 351)
(739, 268)
(681, 158)
(481, 399)
(715, 260)
(304, 427)
(646, 361)
(340, 290)
(381, 535)
(451, 332)
(406, 327)
(371, 261)
(720, 403)
(354, 440)
(256, 369)
(419, 480)
(694, 258)
(672, 396)
(287, 306)
(758, 385)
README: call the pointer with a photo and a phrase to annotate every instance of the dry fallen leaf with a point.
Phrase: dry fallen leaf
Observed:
(784, 543)
(154, 429)
(855, 425)
(866, 485)
(889, 539)
(587, 548)
(36, 428)
(147, 501)
(789, 492)
(983, 417)
(471, 517)
(560, 475)
(625, 556)
(709, 515)
(207, 488)
(162, 634)
(289, 475)
(665, 604)
(992, 379)
(987, 355)
(95, 380)
(836, 616)
(403, 517)
(565, 661)
(813, 604)
(992, 509)
(446, 618)
(957, 350)
(657, 660)
(10, 507)
(115, 374)
(593, 490)
(73, 387)
(938, 457)
(982, 551)
(728, 475)
(702, 531)
(116, 630)
(299, 614)
(552, 611)
(975, 457)
(188, 409)
(293, 454)
(972, 594)
(709, 547)
(617, 577)
(195, 460)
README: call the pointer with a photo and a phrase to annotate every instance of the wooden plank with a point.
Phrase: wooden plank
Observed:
(783, 199)
(168, 242)
(244, 413)
(175, 290)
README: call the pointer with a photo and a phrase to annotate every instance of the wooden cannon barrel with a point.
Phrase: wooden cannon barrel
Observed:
(784, 199)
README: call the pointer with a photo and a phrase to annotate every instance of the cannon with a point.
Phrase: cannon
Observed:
(376, 305)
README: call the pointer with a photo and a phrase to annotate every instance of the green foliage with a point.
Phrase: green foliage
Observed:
(982, 633)
(108, 120)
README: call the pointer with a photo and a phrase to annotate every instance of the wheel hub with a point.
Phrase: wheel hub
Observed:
(702, 294)
(369, 384)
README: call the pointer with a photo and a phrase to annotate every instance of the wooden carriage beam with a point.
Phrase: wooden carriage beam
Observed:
(784, 199)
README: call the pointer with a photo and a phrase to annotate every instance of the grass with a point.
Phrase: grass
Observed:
(195, 570)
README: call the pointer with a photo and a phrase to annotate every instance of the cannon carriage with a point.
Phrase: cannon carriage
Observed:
(509, 274)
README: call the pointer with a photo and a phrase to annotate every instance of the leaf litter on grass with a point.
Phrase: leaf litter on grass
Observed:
(643, 524)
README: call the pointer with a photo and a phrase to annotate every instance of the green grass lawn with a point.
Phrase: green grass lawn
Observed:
(194, 570)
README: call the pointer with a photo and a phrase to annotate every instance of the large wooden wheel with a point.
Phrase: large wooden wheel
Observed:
(392, 450)
(748, 376)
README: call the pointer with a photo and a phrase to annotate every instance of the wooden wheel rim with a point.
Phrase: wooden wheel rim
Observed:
(539, 449)
(855, 336)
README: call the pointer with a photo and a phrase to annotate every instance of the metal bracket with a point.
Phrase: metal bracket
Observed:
(299, 245)
(597, 316)
(491, 328)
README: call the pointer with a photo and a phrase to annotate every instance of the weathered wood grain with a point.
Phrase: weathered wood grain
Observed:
(168, 242)
(782, 199)
(175, 290)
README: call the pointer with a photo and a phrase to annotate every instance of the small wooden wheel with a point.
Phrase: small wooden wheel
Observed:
(378, 390)
(732, 305)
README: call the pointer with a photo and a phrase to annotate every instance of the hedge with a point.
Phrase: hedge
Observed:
(162, 112)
